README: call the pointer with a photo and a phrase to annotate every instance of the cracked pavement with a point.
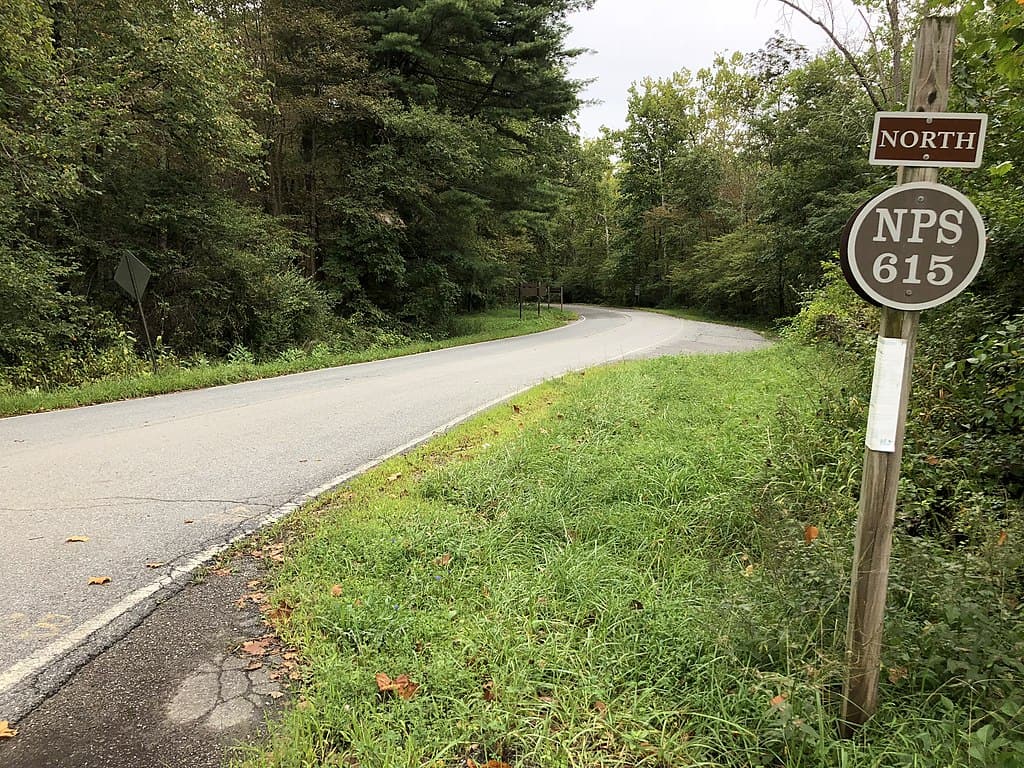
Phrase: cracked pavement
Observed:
(176, 691)
(159, 484)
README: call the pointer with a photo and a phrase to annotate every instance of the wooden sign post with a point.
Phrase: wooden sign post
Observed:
(929, 92)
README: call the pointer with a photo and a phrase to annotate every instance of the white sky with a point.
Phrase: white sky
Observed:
(633, 39)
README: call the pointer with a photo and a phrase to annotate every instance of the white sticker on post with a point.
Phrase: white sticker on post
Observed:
(886, 394)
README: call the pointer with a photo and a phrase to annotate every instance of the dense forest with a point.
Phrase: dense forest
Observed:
(290, 170)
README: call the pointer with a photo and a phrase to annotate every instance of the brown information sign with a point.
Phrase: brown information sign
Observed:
(930, 139)
(915, 246)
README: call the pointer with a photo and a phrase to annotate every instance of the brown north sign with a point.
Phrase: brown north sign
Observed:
(930, 139)
(914, 246)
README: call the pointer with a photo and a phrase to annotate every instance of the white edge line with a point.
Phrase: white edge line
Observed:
(45, 656)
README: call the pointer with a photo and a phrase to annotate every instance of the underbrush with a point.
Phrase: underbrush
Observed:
(618, 570)
(119, 373)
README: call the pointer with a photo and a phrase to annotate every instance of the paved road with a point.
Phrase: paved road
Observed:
(161, 479)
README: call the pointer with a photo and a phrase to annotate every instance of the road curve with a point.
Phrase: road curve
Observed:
(166, 479)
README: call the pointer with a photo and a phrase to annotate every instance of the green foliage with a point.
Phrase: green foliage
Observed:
(612, 574)
(963, 462)
(833, 313)
(287, 169)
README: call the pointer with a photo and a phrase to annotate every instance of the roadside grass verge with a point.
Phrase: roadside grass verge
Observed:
(176, 376)
(612, 571)
(765, 328)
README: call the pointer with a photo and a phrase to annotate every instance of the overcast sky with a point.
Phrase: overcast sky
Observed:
(632, 39)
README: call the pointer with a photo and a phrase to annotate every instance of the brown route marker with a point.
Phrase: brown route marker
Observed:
(914, 246)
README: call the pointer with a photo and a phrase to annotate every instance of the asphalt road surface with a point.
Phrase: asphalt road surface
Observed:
(159, 484)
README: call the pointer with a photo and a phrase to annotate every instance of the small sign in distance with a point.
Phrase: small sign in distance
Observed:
(913, 247)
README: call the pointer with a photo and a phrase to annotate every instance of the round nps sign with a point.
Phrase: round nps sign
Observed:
(914, 246)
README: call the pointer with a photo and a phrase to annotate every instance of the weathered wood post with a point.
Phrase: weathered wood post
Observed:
(929, 92)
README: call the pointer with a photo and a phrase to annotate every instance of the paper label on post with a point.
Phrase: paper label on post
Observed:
(886, 394)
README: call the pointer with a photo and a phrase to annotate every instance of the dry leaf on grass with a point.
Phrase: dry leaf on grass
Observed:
(471, 763)
(336, 590)
(73, 540)
(1002, 539)
(811, 532)
(443, 560)
(97, 580)
(401, 685)
(6, 732)
(778, 700)
(282, 613)
(489, 693)
(516, 408)
(396, 476)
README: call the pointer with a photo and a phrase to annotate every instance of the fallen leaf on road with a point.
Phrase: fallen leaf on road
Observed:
(189, 522)
(6, 732)
(99, 580)
(255, 597)
(256, 647)
(221, 572)
(336, 590)
(253, 666)
(155, 565)
(811, 533)
(275, 695)
(74, 539)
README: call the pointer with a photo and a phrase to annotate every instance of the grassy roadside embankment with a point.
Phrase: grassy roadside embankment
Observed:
(177, 377)
(765, 328)
(612, 572)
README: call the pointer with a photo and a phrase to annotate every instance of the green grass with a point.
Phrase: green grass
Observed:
(606, 573)
(763, 327)
(469, 329)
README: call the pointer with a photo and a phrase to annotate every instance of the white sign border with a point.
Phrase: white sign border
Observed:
(983, 116)
(869, 208)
